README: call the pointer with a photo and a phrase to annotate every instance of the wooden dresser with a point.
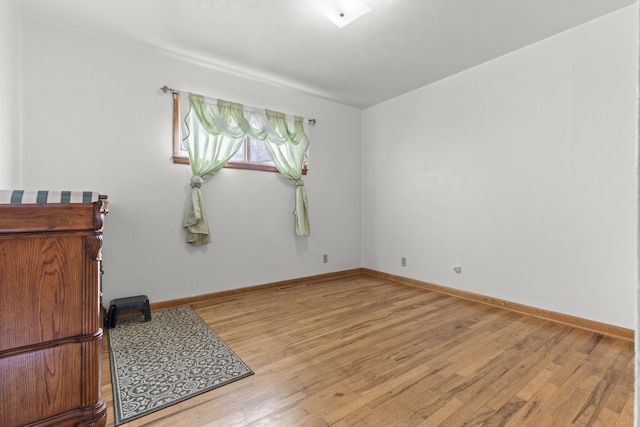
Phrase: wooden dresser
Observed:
(50, 320)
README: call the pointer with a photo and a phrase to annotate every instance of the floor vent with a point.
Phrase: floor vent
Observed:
(286, 288)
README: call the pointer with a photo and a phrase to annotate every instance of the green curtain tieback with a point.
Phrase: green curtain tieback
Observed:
(196, 181)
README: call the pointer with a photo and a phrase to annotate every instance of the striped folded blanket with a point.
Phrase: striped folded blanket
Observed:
(41, 197)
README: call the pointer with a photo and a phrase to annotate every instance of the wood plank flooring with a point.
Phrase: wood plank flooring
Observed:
(366, 351)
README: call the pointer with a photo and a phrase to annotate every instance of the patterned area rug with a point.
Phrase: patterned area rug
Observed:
(169, 359)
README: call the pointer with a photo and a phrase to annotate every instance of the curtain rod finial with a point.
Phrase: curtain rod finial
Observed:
(166, 89)
(312, 121)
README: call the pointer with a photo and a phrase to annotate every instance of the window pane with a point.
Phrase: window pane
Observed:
(239, 156)
(258, 153)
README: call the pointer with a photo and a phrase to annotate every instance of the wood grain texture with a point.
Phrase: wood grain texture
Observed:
(32, 381)
(50, 335)
(368, 351)
(44, 279)
(46, 217)
(578, 322)
(250, 289)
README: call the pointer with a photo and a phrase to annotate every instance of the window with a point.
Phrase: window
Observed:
(252, 155)
(217, 129)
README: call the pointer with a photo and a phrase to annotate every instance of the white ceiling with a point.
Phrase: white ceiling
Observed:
(400, 46)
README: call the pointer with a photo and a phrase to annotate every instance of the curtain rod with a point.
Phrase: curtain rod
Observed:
(167, 89)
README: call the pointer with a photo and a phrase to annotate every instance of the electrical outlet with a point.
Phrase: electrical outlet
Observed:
(325, 258)
(403, 261)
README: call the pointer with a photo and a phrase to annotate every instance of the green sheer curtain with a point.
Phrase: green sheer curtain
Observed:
(287, 151)
(215, 129)
(212, 137)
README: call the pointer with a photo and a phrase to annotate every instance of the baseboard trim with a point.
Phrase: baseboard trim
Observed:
(264, 287)
(565, 319)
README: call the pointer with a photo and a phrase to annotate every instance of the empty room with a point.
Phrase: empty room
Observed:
(318, 212)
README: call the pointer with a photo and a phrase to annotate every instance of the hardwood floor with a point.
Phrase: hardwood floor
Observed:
(366, 351)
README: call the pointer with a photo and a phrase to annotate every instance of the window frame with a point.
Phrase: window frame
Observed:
(180, 159)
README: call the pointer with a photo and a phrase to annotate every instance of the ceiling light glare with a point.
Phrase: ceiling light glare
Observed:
(343, 12)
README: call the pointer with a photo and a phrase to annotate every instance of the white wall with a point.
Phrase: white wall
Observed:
(521, 170)
(97, 120)
(10, 98)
